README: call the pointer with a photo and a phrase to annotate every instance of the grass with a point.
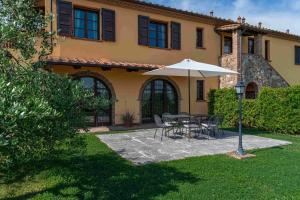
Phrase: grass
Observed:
(99, 173)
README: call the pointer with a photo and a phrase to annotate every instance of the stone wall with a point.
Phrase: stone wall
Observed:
(230, 62)
(256, 69)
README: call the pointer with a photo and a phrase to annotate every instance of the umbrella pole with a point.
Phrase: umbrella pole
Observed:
(189, 75)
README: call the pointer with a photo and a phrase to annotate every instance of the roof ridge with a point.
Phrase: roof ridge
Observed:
(270, 30)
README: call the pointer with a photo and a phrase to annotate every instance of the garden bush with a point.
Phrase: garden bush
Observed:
(38, 111)
(279, 109)
(276, 110)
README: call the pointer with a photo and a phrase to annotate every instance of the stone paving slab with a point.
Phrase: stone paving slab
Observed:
(141, 148)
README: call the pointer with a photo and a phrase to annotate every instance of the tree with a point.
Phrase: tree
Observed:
(38, 109)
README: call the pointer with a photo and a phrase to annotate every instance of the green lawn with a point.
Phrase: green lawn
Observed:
(99, 173)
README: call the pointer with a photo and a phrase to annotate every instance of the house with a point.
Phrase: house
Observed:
(109, 44)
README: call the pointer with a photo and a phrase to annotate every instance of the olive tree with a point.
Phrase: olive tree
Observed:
(38, 109)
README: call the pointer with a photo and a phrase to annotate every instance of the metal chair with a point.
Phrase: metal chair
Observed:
(165, 126)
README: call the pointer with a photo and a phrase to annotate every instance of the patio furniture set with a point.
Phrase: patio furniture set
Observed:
(187, 125)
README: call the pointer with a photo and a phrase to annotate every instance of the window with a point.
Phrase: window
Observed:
(157, 34)
(200, 38)
(200, 90)
(267, 50)
(250, 45)
(227, 45)
(86, 24)
(297, 55)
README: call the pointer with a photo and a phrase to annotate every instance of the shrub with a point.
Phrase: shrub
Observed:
(276, 110)
(224, 102)
(39, 110)
(279, 109)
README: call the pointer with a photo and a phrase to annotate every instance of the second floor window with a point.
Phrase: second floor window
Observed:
(227, 45)
(297, 55)
(251, 46)
(267, 50)
(86, 24)
(157, 34)
(199, 38)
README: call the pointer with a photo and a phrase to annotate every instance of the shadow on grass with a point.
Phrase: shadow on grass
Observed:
(105, 175)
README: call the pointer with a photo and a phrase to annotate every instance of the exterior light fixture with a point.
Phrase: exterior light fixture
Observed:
(240, 90)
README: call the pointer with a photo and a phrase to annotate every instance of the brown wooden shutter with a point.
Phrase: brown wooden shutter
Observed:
(297, 55)
(108, 25)
(143, 30)
(64, 18)
(175, 35)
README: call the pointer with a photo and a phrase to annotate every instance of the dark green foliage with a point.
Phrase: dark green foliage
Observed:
(276, 110)
(250, 113)
(224, 102)
(279, 109)
(38, 110)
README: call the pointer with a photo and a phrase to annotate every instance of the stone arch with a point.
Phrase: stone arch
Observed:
(251, 90)
(107, 83)
(173, 83)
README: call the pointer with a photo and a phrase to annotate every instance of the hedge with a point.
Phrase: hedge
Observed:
(276, 110)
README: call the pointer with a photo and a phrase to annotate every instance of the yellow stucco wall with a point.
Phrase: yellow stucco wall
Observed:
(282, 56)
(126, 47)
(127, 86)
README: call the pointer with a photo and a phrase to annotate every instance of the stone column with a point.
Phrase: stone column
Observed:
(232, 61)
(237, 49)
(258, 42)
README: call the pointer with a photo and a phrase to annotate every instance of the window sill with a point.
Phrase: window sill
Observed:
(202, 48)
(84, 39)
(227, 54)
(169, 49)
(201, 101)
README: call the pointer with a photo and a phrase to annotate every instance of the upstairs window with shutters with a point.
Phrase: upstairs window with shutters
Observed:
(65, 18)
(175, 35)
(297, 55)
(158, 34)
(108, 25)
(86, 24)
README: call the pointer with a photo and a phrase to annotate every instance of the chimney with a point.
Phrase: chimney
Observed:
(259, 25)
(243, 20)
(288, 31)
(211, 13)
(239, 20)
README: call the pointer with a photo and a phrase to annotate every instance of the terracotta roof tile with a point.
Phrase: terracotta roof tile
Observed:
(100, 63)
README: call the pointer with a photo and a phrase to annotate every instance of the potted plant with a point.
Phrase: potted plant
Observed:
(128, 119)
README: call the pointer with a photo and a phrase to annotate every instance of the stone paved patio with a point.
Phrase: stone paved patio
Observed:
(141, 148)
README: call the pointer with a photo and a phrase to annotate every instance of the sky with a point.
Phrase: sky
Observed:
(275, 14)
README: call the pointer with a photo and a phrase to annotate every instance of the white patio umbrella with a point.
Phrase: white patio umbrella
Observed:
(190, 68)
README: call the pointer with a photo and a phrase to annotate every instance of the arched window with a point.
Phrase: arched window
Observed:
(99, 88)
(158, 97)
(251, 91)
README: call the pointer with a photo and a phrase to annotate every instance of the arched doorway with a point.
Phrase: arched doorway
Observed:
(99, 88)
(251, 91)
(159, 96)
